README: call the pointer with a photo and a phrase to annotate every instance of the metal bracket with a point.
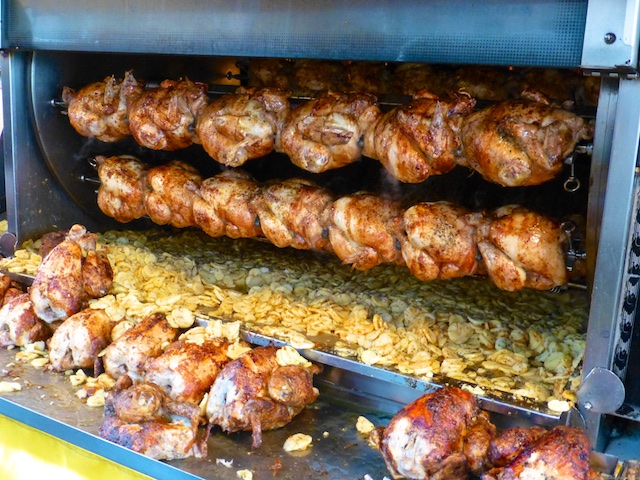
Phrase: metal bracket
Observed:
(601, 391)
(8, 243)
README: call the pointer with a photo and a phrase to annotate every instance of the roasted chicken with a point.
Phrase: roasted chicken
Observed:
(368, 77)
(418, 139)
(294, 213)
(78, 341)
(521, 248)
(19, 324)
(520, 142)
(146, 420)
(438, 240)
(186, 370)
(244, 125)
(255, 393)
(270, 72)
(362, 229)
(129, 353)
(432, 438)
(511, 442)
(560, 454)
(410, 78)
(326, 133)
(311, 76)
(163, 118)
(484, 82)
(124, 186)
(74, 271)
(99, 110)
(174, 188)
(224, 205)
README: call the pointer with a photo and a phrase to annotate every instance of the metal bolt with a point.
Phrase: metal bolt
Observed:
(609, 38)
(588, 406)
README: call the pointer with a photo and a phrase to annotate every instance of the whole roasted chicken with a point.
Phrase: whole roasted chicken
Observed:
(224, 206)
(440, 436)
(438, 240)
(243, 125)
(163, 118)
(362, 229)
(256, 393)
(78, 341)
(174, 188)
(99, 110)
(326, 133)
(562, 453)
(124, 186)
(521, 248)
(74, 271)
(294, 213)
(130, 352)
(520, 142)
(186, 370)
(19, 324)
(418, 139)
(311, 76)
(145, 419)
(270, 72)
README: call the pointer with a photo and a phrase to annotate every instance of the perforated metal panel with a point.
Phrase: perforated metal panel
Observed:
(501, 32)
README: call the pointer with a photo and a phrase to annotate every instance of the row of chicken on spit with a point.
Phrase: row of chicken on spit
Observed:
(514, 246)
(173, 386)
(515, 142)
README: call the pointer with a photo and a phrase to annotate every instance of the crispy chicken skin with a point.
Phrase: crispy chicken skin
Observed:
(418, 139)
(361, 230)
(520, 142)
(560, 454)
(484, 82)
(521, 248)
(77, 342)
(187, 370)
(438, 240)
(163, 118)
(244, 125)
(19, 324)
(174, 188)
(410, 78)
(146, 420)
(254, 393)
(270, 72)
(69, 275)
(123, 187)
(129, 353)
(310, 76)
(511, 442)
(427, 439)
(99, 110)
(294, 213)
(326, 133)
(224, 205)
(369, 77)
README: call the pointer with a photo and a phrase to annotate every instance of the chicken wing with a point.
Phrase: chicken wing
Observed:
(129, 353)
(326, 133)
(19, 325)
(426, 439)
(418, 139)
(521, 248)
(294, 213)
(174, 188)
(144, 419)
(438, 240)
(99, 110)
(78, 341)
(163, 118)
(362, 229)
(520, 142)
(124, 185)
(244, 125)
(186, 370)
(69, 275)
(254, 392)
(224, 205)
(560, 454)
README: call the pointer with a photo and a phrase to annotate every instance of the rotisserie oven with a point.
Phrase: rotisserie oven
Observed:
(237, 231)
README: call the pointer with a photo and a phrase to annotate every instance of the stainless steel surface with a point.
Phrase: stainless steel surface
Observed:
(611, 34)
(613, 276)
(499, 32)
(601, 391)
(47, 402)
